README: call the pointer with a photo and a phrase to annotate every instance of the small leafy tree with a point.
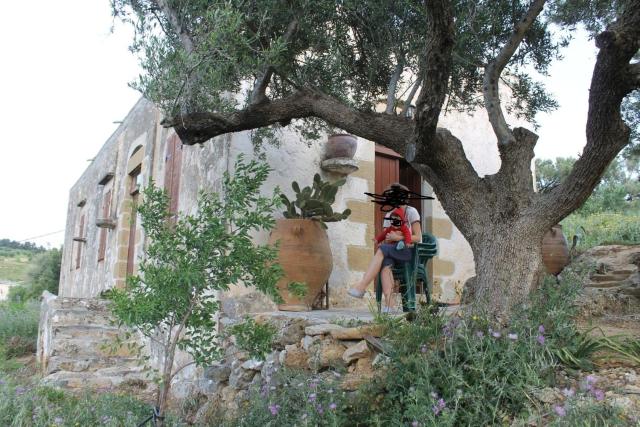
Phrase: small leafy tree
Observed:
(172, 301)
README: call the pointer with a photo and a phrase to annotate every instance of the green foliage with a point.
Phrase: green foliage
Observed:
(602, 229)
(254, 338)
(315, 202)
(173, 300)
(25, 405)
(348, 50)
(618, 181)
(188, 261)
(297, 289)
(14, 264)
(294, 399)
(24, 246)
(18, 328)
(43, 275)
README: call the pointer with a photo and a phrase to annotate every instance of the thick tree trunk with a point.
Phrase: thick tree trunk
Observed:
(508, 267)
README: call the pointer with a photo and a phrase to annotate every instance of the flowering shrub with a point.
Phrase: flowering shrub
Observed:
(295, 399)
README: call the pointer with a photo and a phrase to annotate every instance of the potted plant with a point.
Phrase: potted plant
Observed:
(304, 251)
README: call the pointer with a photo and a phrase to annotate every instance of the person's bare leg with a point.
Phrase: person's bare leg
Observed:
(387, 284)
(371, 273)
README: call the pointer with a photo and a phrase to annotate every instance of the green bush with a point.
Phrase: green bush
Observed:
(18, 328)
(602, 229)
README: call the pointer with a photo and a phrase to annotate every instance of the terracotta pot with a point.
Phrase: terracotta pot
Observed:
(555, 250)
(305, 256)
(341, 145)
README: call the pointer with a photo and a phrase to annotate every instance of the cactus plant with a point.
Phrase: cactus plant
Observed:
(315, 202)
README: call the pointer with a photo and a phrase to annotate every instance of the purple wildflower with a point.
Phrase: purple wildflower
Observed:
(415, 423)
(332, 406)
(313, 384)
(20, 390)
(274, 409)
(540, 339)
(598, 394)
(513, 337)
(423, 348)
(319, 409)
(439, 406)
(589, 382)
(58, 420)
(568, 392)
(479, 334)
(541, 329)
(496, 334)
(560, 410)
(312, 397)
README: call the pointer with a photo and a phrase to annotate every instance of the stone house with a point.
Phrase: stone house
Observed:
(103, 242)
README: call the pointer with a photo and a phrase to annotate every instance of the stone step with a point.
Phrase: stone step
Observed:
(88, 364)
(610, 284)
(91, 304)
(89, 331)
(80, 317)
(93, 380)
(608, 277)
(88, 347)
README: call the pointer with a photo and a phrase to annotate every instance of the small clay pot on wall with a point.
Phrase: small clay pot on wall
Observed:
(305, 256)
(341, 145)
(555, 250)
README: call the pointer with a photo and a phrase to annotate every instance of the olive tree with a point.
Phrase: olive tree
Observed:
(358, 65)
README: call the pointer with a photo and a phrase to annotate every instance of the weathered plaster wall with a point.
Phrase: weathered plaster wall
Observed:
(350, 245)
(91, 276)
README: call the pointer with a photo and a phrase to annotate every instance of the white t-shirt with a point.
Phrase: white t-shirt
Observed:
(411, 215)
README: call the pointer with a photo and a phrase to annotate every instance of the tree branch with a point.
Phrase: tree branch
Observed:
(606, 132)
(435, 68)
(412, 93)
(176, 23)
(494, 70)
(258, 95)
(393, 83)
(388, 130)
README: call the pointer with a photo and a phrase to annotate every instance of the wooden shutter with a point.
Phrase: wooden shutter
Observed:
(106, 209)
(81, 235)
(173, 166)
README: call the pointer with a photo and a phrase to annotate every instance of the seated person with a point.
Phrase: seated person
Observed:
(397, 224)
(388, 254)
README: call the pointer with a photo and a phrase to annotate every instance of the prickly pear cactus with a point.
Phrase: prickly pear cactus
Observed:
(315, 202)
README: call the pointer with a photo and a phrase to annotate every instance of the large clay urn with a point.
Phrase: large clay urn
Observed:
(341, 145)
(555, 250)
(305, 256)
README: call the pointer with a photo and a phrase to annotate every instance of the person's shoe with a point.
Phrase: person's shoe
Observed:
(389, 310)
(355, 293)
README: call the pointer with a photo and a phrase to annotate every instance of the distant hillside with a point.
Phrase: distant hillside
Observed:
(15, 258)
(14, 264)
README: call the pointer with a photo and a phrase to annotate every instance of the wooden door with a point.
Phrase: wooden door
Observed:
(391, 168)
(387, 172)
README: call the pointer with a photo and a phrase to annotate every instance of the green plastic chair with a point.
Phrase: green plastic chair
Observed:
(410, 272)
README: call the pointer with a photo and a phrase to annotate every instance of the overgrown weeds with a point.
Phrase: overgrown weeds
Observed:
(18, 328)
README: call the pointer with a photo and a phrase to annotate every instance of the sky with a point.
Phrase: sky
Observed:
(63, 84)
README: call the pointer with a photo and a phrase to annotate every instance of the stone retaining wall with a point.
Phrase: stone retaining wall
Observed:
(305, 342)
